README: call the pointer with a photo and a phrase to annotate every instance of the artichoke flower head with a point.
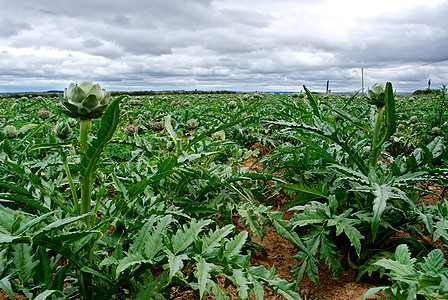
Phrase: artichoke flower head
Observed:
(62, 130)
(84, 100)
(10, 131)
(375, 94)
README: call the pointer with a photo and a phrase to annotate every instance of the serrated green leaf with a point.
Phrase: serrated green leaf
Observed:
(233, 247)
(24, 262)
(59, 278)
(29, 201)
(396, 268)
(434, 262)
(129, 261)
(390, 114)
(202, 273)
(213, 240)
(16, 188)
(258, 289)
(185, 237)
(36, 181)
(175, 263)
(381, 193)
(308, 217)
(142, 184)
(329, 254)
(218, 292)
(241, 283)
(48, 146)
(284, 229)
(403, 256)
(436, 146)
(346, 225)
(107, 261)
(249, 216)
(6, 286)
(140, 239)
(34, 221)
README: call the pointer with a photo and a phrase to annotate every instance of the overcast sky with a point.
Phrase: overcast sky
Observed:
(245, 45)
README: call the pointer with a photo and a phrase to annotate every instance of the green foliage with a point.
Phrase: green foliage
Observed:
(412, 279)
(162, 202)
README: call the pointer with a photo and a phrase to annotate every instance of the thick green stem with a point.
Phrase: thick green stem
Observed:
(84, 129)
(86, 196)
(70, 182)
(376, 136)
(86, 181)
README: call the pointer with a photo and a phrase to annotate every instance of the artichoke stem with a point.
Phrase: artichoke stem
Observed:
(86, 196)
(376, 136)
(70, 181)
(86, 181)
(84, 129)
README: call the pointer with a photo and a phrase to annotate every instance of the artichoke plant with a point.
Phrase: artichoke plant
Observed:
(375, 94)
(62, 130)
(131, 130)
(44, 114)
(85, 100)
(72, 122)
(233, 104)
(219, 135)
(381, 95)
(10, 132)
(192, 123)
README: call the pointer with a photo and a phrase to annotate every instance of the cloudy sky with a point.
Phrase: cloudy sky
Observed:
(245, 45)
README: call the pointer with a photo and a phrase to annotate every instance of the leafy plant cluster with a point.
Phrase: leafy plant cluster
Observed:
(143, 200)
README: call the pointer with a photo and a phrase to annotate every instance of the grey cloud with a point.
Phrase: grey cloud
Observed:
(230, 44)
(10, 27)
(92, 43)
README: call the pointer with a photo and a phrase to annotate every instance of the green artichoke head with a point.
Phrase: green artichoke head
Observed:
(219, 135)
(62, 130)
(84, 100)
(72, 122)
(10, 131)
(375, 94)
(192, 123)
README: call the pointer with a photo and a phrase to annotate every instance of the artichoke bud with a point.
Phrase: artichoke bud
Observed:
(44, 114)
(131, 130)
(366, 150)
(192, 123)
(62, 130)
(10, 132)
(72, 122)
(219, 135)
(413, 119)
(375, 94)
(84, 100)
(233, 104)
(100, 177)
(134, 102)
